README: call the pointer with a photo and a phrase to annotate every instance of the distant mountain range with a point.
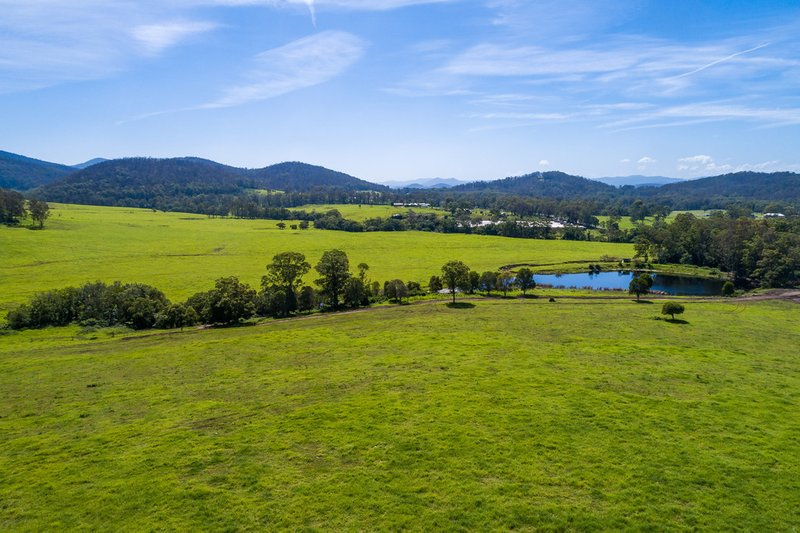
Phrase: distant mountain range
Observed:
(23, 173)
(140, 181)
(427, 183)
(90, 162)
(638, 181)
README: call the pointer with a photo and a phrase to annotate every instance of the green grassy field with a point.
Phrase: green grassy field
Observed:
(508, 415)
(184, 253)
(364, 211)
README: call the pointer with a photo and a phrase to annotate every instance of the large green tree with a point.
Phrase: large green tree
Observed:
(672, 309)
(334, 267)
(12, 206)
(525, 279)
(286, 273)
(39, 211)
(640, 285)
(230, 301)
(455, 276)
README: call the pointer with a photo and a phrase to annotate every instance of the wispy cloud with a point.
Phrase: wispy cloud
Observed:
(155, 38)
(297, 65)
(44, 42)
(706, 112)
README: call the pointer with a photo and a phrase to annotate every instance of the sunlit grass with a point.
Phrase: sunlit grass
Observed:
(184, 253)
(510, 414)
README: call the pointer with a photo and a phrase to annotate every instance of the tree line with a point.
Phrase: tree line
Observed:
(756, 252)
(282, 293)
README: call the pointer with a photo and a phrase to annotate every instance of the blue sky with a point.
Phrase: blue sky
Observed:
(408, 89)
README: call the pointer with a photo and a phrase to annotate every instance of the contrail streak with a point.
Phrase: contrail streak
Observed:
(718, 61)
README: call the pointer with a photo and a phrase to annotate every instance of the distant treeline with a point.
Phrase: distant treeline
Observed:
(763, 252)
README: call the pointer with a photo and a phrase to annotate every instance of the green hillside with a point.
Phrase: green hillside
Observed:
(22, 173)
(508, 415)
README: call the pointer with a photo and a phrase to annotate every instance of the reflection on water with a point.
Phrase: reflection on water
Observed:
(677, 285)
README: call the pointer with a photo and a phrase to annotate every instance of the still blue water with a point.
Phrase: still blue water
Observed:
(678, 285)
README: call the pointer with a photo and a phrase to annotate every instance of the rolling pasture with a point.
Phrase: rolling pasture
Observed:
(510, 414)
(363, 212)
(184, 253)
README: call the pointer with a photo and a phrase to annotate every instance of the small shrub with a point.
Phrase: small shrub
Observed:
(672, 309)
(728, 289)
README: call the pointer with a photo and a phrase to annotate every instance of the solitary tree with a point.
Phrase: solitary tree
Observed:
(12, 206)
(455, 275)
(286, 272)
(281, 225)
(39, 211)
(334, 267)
(525, 279)
(640, 285)
(672, 309)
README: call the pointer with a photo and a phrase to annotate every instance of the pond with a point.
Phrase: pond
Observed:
(677, 285)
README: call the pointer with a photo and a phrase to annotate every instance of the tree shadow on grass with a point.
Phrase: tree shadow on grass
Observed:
(643, 301)
(460, 305)
(676, 321)
(528, 296)
(671, 320)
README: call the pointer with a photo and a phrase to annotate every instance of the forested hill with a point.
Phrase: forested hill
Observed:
(297, 176)
(168, 183)
(23, 173)
(142, 182)
(543, 185)
(719, 191)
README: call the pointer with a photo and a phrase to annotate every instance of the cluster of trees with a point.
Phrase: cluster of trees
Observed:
(457, 276)
(14, 207)
(135, 305)
(282, 294)
(756, 252)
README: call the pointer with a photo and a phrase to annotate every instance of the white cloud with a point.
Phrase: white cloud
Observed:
(297, 65)
(544, 163)
(705, 165)
(155, 38)
(701, 165)
(46, 42)
(626, 160)
(646, 160)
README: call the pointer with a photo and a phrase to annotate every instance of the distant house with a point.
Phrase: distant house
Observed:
(774, 215)
(410, 204)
